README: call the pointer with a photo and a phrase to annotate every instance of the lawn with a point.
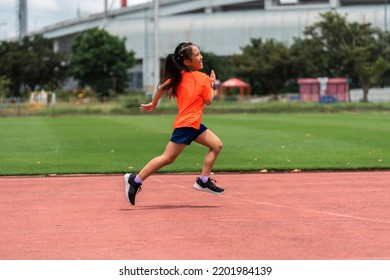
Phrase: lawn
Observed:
(252, 142)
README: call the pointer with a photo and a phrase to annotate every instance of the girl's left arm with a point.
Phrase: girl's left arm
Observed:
(212, 79)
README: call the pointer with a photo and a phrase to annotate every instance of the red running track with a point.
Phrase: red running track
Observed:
(273, 216)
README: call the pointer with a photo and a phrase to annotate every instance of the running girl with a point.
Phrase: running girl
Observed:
(192, 89)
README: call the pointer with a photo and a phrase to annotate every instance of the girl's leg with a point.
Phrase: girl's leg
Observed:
(211, 141)
(171, 152)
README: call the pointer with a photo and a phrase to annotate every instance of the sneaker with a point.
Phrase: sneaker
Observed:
(131, 187)
(209, 186)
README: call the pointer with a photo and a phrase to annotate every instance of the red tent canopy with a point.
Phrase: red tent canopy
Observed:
(235, 83)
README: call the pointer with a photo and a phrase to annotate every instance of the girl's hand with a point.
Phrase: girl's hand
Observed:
(148, 107)
(212, 77)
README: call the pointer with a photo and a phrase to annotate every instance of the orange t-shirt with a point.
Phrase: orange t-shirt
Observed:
(193, 89)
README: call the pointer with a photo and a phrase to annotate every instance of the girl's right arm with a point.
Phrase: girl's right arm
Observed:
(156, 97)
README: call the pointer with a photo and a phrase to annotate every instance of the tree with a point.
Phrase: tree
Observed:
(265, 65)
(31, 62)
(11, 65)
(46, 67)
(381, 69)
(309, 59)
(343, 49)
(101, 61)
(4, 85)
(223, 66)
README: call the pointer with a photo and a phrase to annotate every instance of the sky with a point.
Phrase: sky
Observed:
(45, 12)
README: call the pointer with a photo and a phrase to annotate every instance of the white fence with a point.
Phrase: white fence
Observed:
(374, 95)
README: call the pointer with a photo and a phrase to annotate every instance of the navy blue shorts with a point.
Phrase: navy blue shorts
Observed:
(185, 135)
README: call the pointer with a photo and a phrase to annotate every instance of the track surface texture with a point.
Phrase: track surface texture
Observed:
(272, 216)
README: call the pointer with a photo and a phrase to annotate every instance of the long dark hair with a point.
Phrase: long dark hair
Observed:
(174, 65)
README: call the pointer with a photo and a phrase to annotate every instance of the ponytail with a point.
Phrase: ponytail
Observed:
(174, 65)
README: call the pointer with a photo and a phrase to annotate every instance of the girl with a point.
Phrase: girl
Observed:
(192, 90)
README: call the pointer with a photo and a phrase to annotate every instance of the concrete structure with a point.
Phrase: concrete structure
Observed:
(22, 18)
(218, 26)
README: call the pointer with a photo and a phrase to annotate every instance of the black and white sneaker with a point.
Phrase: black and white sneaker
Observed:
(131, 187)
(209, 186)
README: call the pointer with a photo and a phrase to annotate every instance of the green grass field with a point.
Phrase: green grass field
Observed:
(252, 142)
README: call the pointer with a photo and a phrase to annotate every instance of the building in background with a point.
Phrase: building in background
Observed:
(218, 26)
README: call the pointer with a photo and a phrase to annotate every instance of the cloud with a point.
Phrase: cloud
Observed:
(42, 6)
(42, 13)
(7, 18)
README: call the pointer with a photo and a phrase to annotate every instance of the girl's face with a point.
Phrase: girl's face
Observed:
(196, 62)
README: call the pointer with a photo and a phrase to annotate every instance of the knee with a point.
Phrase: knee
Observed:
(169, 159)
(218, 146)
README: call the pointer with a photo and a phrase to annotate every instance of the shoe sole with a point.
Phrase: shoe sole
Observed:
(199, 188)
(127, 186)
